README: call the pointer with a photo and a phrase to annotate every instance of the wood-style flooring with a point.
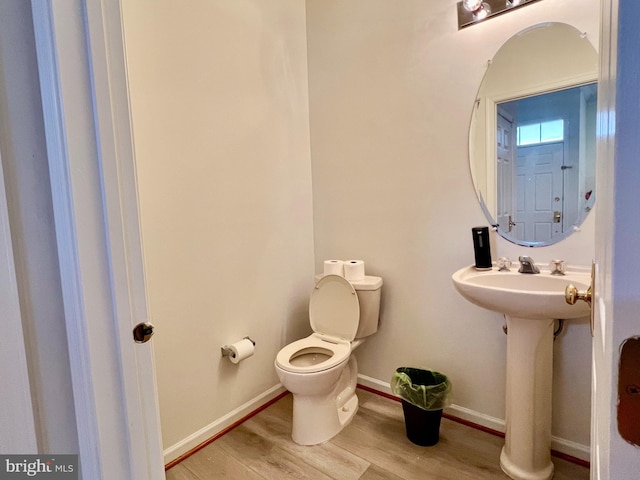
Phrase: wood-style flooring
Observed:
(373, 446)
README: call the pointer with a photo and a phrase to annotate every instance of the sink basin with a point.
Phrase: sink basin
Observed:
(534, 296)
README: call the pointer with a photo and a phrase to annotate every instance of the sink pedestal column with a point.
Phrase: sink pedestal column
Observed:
(526, 454)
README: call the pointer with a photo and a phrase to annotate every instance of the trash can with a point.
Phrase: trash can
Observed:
(424, 393)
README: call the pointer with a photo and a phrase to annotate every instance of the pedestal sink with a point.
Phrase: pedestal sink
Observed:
(530, 303)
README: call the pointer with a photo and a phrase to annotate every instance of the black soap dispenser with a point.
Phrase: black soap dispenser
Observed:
(481, 248)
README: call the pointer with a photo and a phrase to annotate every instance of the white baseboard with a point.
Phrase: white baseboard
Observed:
(379, 385)
(561, 445)
(205, 433)
(478, 418)
(577, 450)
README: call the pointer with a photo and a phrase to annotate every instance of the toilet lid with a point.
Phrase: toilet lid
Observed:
(334, 309)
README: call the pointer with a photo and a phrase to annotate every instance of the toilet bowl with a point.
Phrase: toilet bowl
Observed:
(319, 370)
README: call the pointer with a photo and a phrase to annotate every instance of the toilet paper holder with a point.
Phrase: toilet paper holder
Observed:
(227, 352)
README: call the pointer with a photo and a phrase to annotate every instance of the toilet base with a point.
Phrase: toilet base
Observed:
(318, 418)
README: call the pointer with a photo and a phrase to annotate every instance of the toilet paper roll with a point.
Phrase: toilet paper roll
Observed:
(241, 350)
(354, 270)
(334, 267)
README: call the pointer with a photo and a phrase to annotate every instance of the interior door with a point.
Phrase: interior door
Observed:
(618, 229)
(91, 165)
(504, 170)
(539, 191)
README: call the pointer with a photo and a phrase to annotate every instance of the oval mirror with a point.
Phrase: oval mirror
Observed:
(532, 135)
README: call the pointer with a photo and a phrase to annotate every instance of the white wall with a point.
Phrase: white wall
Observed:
(220, 115)
(391, 87)
(24, 159)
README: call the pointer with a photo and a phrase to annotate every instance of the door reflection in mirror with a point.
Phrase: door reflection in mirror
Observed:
(545, 149)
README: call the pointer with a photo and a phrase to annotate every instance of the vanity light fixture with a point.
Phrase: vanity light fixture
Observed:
(474, 11)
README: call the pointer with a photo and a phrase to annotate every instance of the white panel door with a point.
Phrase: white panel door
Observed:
(617, 303)
(539, 191)
(504, 173)
(90, 153)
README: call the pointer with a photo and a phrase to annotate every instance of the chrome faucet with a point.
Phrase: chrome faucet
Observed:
(527, 265)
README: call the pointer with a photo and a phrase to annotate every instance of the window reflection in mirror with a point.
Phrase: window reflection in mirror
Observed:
(545, 146)
(536, 106)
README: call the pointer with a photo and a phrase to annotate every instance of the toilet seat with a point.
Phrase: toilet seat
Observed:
(334, 314)
(334, 309)
(336, 351)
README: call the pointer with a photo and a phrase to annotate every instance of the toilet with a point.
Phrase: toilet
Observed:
(319, 370)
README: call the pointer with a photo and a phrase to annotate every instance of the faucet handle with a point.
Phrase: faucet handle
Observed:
(557, 267)
(504, 264)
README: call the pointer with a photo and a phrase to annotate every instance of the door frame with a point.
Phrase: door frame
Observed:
(83, 81)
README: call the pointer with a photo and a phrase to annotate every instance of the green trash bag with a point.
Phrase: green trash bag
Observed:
(426, 389)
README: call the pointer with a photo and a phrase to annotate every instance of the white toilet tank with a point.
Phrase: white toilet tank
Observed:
(368, 291)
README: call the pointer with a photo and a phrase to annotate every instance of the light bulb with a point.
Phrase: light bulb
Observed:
(471, 5)
(482, 13)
